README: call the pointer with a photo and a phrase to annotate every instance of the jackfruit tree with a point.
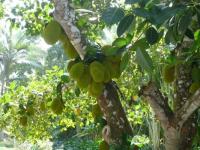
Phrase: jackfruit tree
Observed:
(147, 25)
(162, 39)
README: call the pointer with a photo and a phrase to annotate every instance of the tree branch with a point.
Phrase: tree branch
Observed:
(65, 15)
(188, 108)
(158, 103)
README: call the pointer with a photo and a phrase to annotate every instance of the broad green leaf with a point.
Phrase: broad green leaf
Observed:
(120, 42)
(152, 35)
(141, 12)
(184, 22)
(112, 15)
(124, 24)
(141, 43)
(124, 61)
(144, 60)
(131, 1)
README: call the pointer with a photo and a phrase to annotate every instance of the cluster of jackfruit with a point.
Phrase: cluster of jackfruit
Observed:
(53, 32)
(88, 75)
(196, 80)
(92, 76)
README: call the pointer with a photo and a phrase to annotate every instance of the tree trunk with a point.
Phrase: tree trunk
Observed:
(113, 111)
(179, 125)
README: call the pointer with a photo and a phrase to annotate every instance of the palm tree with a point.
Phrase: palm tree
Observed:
(16, 49)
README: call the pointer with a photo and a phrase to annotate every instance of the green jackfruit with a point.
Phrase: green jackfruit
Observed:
(77, 70)
(107, 75)
(30, 110)
(169, 73)
(104, 146)
(85, 79)
(96, 111)
(194, 87)
(70, 64)
(42, 106)
(196, 74)
(52, 32)
(23, 120)
(95, 89)
(97, 71)
(57, 106)
(69, 49)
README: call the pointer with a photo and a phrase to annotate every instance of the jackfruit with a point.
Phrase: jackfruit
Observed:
(104, 146)
(30, 110)
(194, 87)
(96, 111)
(57, 106)
(107, 75)
(69, 49)
(63, 37)
(169, 73)
(85, 79)
(77, 70)
(52, 32)
(23, 120)
(196, 74)
(95, 89)
(42, 106)
(97, 71)
(70, 64)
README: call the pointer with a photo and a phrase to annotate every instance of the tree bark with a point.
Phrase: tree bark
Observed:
(113, 111)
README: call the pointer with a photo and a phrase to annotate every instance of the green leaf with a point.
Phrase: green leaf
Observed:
(144, 60)
(120, 42)
(124, 61)
(141, 12)
(112, 15)
(184, 22)
(152, 35)
(141, 43)
(110, 50)
(131, 1)
(124, 24)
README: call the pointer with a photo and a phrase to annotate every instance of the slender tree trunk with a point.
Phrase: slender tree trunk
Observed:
(117, 122)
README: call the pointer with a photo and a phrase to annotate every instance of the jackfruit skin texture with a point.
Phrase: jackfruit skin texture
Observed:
(107, 75)
(77, 70)
(70, 64)
(85, 79)
(194, 87)
(169, 73)
(23, 120)
(69, 49)
(95, 89)
(196, 74)
(57, 106)
(30, 111)
(42, 106)
(104, 146)
(52, 32)
(97, 71)
(113, 67)
(96, 111)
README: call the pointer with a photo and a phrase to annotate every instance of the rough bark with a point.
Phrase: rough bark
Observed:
(179, 125)
(113, 111)
(109, 101)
